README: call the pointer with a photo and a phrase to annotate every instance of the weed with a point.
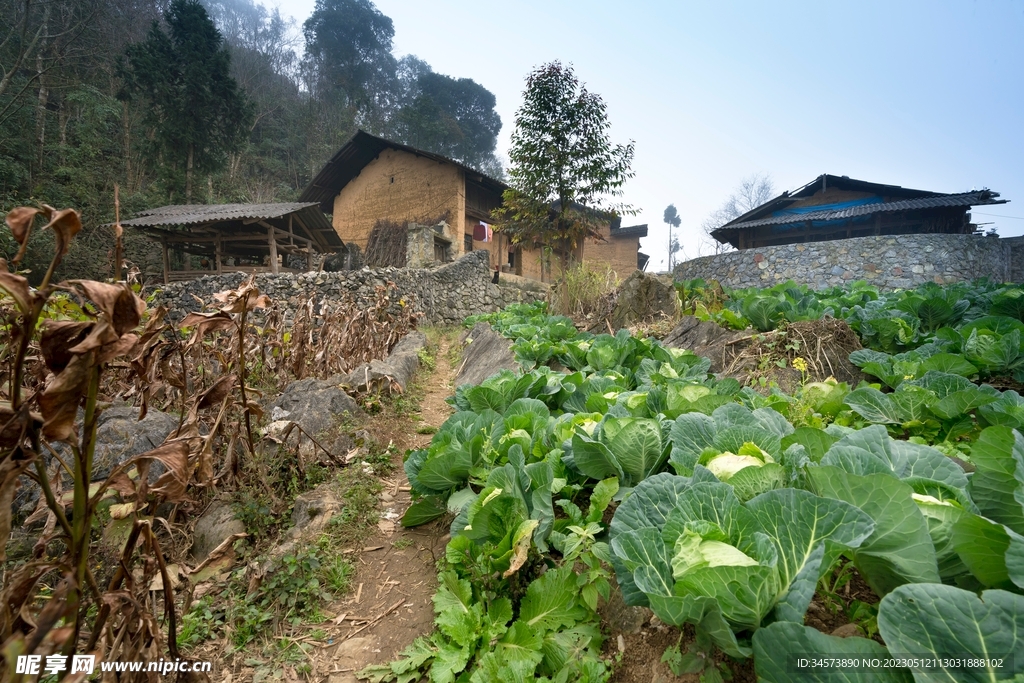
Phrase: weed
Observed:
(402, 543)
(426, 429)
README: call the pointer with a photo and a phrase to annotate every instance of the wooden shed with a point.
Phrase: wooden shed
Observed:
(202, 239)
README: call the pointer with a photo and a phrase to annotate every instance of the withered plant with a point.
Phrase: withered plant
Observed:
(66, 351)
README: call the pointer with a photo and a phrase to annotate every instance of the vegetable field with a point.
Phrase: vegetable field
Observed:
(728, 510)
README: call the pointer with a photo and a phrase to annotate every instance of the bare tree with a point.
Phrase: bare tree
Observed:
(753, 191)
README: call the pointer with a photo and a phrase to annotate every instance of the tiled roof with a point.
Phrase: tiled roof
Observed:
(938, 201)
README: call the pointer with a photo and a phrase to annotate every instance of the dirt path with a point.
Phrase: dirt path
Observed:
(396, 569)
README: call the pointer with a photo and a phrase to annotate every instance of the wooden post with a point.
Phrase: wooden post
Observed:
(167, 261)
(272, 239)
(218, 253)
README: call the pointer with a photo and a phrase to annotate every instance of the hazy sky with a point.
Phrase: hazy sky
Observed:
(924, 94)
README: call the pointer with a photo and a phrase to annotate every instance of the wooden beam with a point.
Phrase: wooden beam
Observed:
(167, 261)
(218, 253)
(272, 241)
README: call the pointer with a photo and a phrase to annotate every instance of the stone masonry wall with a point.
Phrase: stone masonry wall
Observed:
(888, 261)
(446, 294)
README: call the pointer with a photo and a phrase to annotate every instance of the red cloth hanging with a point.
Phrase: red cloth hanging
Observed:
(480, 232)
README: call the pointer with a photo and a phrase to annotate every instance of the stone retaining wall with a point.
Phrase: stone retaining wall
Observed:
(446, 294)
(888, 261)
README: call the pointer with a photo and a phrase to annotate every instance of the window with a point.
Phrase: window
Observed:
(469, 243)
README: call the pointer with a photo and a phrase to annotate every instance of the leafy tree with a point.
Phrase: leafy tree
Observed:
(673, 221)
(564, 167)
(195, 107)
(753, 191)
(452, 117)
(349, 60)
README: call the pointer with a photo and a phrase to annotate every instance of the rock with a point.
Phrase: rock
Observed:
(642, 298)
(312, 512)
(315, 405)
(704, 338)
(849, 631)
(485, 352)
(399, 367)
(214, 526)
(120, 435)
(621, 618)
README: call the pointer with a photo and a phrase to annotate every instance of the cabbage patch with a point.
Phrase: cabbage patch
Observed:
(688, 548)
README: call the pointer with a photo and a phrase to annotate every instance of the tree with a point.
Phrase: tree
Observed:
(564, 168)
(195, 108)
(673, 220)
(452, 117)
(349, 60)
(753, 191)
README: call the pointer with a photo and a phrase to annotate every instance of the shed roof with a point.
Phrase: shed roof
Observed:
(357, 153)
(213, 218)
(900, 199)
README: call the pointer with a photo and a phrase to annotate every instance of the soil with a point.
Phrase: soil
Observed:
(391, 605)
(395, 577)
(641, 655)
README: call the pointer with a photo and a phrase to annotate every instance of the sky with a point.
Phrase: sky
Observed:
(923, 94)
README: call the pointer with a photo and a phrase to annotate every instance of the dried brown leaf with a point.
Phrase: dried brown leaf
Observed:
(121, 306)
(65, 223)
(59, 401)
(57, 339)
(208, 322)
(215, 395)
(19, 220)
(173, 483)
(17, 287)
(10, 470)
(123, 346)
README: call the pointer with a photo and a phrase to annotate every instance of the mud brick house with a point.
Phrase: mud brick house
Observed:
(371, 184)
(838, 207)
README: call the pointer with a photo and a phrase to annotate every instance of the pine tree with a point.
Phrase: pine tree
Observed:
(195, 108)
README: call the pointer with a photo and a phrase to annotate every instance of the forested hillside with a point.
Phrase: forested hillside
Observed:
(224, 101)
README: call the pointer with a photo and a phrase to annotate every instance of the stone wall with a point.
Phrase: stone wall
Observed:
(888, 261)
(446, 294)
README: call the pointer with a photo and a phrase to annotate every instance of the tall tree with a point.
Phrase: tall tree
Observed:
(196, 110)
(349, 60)
(753, 191)
(564, 169)
(452, 117)
(673, 221)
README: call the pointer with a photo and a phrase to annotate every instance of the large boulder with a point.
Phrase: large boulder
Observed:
(315, 405)
(121, 435)
(484, 353)
(398, 368)
(644, 298)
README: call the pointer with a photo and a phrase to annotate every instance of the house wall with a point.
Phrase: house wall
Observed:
(618, 253)
(402, 187)
(890, 262)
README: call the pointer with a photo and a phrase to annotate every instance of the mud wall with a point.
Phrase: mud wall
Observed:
(401, 187)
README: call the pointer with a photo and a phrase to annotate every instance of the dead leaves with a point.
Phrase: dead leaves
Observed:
(65, 223)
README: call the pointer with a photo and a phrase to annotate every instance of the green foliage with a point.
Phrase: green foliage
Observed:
(564, 166)
(192, 102)
(776, 498)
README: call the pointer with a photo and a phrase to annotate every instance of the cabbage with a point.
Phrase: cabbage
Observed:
(727, 464)
(694, 552)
